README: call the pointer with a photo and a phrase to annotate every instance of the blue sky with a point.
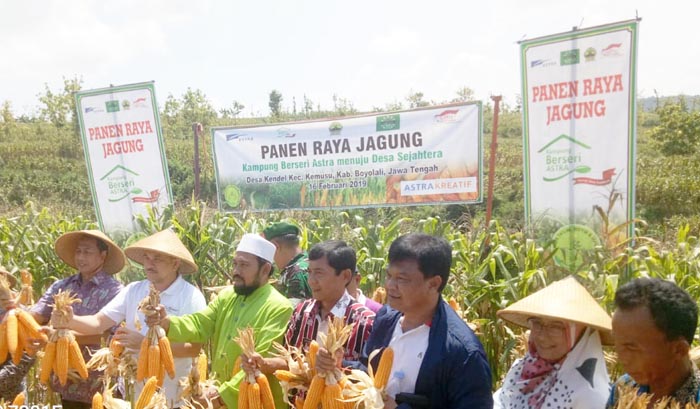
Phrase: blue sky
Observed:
(368, 52)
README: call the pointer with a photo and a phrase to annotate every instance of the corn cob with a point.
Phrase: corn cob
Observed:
(287, 376)
(236, 366)
(11, 331)
(202, 366)
(147, 393)
(26, 295)
(268, 402)
(254, 401)
(313, 397)
(166, 356)
(21, 345)
(299, 403)
(331, 397)
(97, 401)
(116, 348)
(76, 360)
(161, 376)
(384, 368)
(142, 364)
(153, 360)
(47, 362)
(61, 361)
(19, 399)
(30, 325)
(243, 394)
(3, 341)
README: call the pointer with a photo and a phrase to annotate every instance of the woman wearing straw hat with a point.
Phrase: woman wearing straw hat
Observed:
(165, 259)
(96, 258)
(564, 365)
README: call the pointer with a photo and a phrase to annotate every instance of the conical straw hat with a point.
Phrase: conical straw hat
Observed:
(67, 243)
(11, 280)
(565, 300)
(164, 242)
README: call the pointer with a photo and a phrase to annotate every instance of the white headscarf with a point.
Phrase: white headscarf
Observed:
(579, 381)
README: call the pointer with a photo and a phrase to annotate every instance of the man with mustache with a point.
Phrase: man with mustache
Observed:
(251, 302)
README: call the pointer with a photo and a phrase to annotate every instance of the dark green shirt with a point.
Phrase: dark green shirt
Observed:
(293, 281)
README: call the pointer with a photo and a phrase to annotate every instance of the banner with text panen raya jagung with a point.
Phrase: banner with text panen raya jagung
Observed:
(579, 137)
(124, 153)
(423, 156)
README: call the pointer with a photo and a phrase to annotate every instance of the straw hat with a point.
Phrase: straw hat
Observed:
(565, 300)
(67, 243)
(12, 280)
(164, 242)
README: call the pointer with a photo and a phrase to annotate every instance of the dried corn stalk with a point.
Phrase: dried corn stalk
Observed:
(155, 356)
(300, 369)
(26, 293)
(193, 386)
(380, 295)
(254, 390)
(369, 390)
(630, 398)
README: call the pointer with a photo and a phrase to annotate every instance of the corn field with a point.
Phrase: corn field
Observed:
(492, 265)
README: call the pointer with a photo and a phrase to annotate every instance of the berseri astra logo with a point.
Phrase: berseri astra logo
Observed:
(139, 102)
(546, 62)
(613, 50)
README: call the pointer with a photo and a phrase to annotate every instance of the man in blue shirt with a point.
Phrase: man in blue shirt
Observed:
(438, 360)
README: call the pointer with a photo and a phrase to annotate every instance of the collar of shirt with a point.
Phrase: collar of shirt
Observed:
(98, 279)
(295, 259)
(175, 288)
(361, 297)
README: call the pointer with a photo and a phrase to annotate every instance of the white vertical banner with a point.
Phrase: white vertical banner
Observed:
(124, 154)
(579, 115)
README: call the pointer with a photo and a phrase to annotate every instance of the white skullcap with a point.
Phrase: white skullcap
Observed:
(255, 244)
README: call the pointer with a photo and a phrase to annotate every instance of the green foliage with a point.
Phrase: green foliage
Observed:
(275, 103)
(678, 132)
(59, 107)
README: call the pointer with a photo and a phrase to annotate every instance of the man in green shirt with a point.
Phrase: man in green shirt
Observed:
(291, 260)
(252, 302)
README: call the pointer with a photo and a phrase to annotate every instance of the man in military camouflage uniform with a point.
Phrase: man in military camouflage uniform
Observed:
(293, 280)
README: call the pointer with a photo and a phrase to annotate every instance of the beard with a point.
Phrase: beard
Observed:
(245, 290)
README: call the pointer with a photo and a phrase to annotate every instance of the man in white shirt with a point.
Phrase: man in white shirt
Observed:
(164, 259)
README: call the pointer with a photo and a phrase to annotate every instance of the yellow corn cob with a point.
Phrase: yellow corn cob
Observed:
(76, 360)
(29, 323)
(202, 366)
(19, 400)
(142, 364)
(313, 397)
(3, 341)
(331, 397)
(254, 401)
(47, 362)
(161, 376)
(97, 401)
(286, 376)
(116, 347)
(166, 356)
(243, 394)
(379, 295)
(268, 402)
(313, 352)
(11, 331)
(153, 360)
(236, 366)
(381, 377)
(453, 304)
(25, 277)
(61, 361)
(147, 393)
(299, 403)
(21, 342)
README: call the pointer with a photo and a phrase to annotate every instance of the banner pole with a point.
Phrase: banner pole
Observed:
(197, 130)
(492, 157)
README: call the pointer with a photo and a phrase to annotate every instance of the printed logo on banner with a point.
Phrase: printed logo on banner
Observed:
(285, 133)
(388, 122)
(612, 50)
(89, 110)
(120, 183)
(590, 54)
(573, 242)
(570, 57)
(335, 128)
(447, 116)
(233, 136)
(139, 102)
(561, 161)
(542, 63)
(126, 105)
(112, 106)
